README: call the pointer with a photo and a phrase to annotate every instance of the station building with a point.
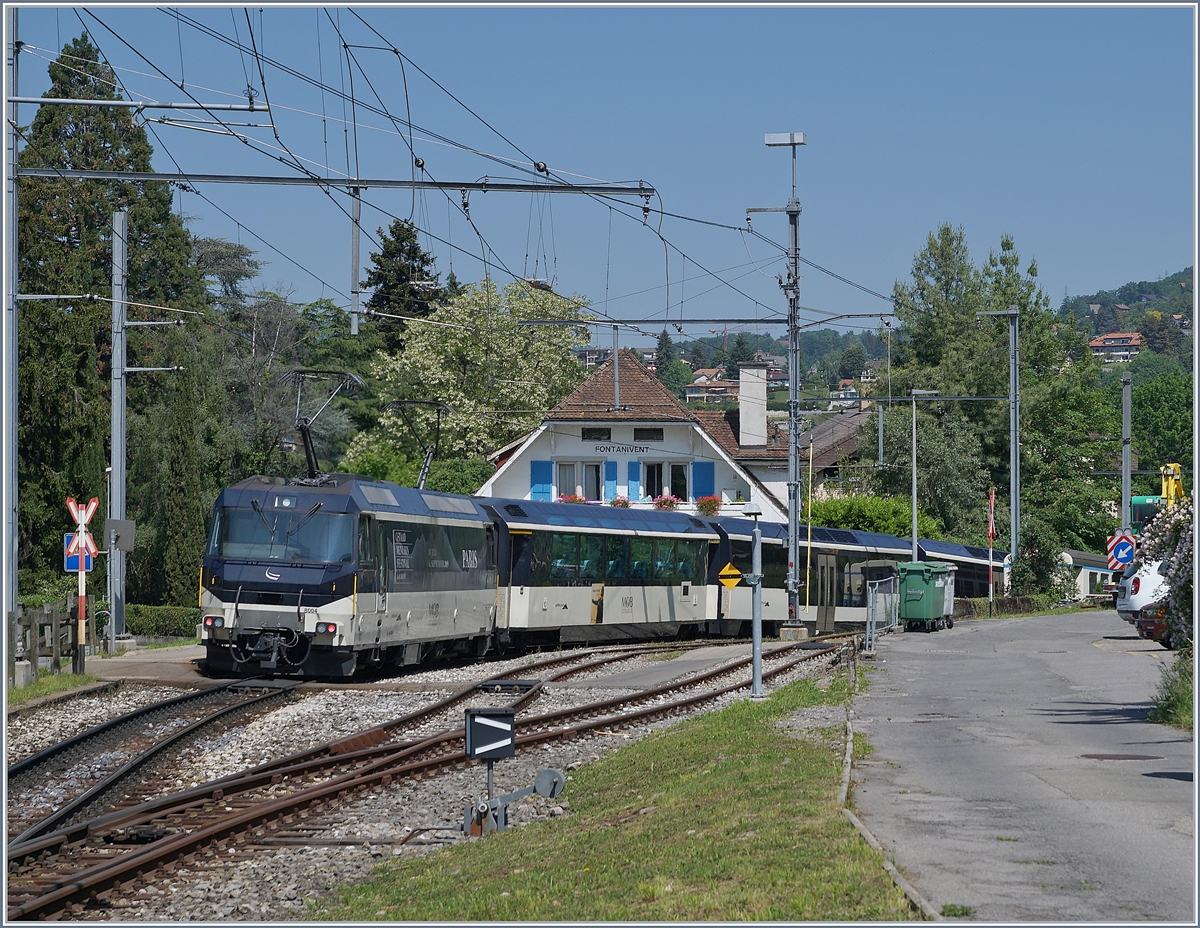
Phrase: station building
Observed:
(634, 440)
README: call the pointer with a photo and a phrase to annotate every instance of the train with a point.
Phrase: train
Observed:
(326, 578)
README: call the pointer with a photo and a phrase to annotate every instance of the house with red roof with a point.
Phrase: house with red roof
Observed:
(635, 439)
(1116, 346)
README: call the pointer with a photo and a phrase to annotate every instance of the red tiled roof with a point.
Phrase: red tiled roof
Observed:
(1116, 340)
(643, 398)
(832, 438)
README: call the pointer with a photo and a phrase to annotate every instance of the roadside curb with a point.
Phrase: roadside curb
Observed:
(917, 901)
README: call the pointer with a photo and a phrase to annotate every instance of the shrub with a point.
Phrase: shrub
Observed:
(708, 505)
(162, 621)
(1173, 701)
(666, 503)
(621, 502)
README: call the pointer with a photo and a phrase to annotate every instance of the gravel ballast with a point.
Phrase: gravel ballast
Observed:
(278, 881)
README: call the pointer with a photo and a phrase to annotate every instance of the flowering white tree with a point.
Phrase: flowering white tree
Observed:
(473, 354)
(1169, 537)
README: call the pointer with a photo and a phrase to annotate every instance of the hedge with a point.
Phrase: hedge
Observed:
(162, 621)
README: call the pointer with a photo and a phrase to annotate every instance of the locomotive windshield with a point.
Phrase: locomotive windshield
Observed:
(290, 535)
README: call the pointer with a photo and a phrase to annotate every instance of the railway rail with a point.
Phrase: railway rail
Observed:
(85, 775)
(89, 863)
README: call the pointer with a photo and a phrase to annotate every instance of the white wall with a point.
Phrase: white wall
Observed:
(681, 444)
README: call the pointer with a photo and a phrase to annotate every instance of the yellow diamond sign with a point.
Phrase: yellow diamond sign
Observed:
(730, 576)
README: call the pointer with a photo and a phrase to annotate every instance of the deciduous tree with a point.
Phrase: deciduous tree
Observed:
(497, 375)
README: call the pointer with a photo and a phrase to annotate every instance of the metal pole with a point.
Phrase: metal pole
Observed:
(116, 489)
(914, 477)
(616, 375)
(81, 624)
(879, 413)
(8, 335)
(1126, 453)
(793, 296)
(355, 292)
(1014, 379)
(756, 686)
(112, 625)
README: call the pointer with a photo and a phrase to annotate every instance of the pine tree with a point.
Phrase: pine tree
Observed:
(183, 518)
(404, 280)
(65, 247)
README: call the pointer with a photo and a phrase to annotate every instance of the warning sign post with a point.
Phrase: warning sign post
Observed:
(83, 547)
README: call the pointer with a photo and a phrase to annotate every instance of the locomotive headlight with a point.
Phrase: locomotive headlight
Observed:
(326, 628)
(214, 621)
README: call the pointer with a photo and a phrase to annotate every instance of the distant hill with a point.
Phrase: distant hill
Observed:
(1122, 310)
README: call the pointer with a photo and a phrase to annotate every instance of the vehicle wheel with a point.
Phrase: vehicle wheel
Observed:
(949, 623)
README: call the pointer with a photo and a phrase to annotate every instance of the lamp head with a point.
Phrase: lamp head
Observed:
(752, 508)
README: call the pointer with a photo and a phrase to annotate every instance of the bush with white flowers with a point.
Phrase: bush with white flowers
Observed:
(1169, 537)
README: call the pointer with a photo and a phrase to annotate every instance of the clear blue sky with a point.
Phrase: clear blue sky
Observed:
(1073, 129)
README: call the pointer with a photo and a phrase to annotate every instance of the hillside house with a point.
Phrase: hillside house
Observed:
(1116, 346)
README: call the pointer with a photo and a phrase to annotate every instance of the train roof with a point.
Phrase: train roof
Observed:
(531, 514)
(351, 493)
(952, 551)
(843, 538)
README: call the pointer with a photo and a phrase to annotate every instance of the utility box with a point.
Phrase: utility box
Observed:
(923, 592)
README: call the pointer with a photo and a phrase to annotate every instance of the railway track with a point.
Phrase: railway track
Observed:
(85, 866)
(85, 775)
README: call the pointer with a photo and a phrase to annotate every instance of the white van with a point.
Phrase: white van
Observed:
(1141, 585)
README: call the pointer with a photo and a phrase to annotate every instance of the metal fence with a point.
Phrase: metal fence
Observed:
(883, 608)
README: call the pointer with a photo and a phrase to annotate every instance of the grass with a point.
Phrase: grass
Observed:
(46, 684)
(957, 911)
(1173, 701)
(723, 817)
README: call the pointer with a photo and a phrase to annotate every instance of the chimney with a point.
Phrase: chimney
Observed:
(752, 403)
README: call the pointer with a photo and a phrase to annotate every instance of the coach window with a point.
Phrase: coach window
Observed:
(564, 555)
(616, 558)
(641, 558)
(591, 557)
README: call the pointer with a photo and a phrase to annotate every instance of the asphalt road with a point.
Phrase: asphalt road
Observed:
(981, 787)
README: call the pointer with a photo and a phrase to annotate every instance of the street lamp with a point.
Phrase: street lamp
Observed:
(754, 579)
(915, 394)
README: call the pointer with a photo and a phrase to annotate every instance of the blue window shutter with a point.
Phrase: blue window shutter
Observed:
(610, 479)
(541, 480)
(703, 478)
(635, 479)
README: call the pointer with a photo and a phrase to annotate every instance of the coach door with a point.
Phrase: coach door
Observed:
(826, 590)
(370, 587)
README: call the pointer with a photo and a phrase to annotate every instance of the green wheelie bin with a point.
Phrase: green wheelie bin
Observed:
(923, 595)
